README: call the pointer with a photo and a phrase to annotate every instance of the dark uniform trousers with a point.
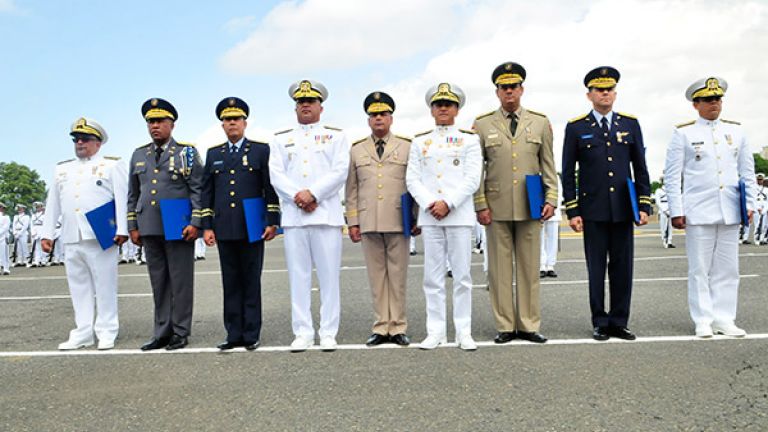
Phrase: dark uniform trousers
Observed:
(171, 273)
(241, 265)
(614, 240)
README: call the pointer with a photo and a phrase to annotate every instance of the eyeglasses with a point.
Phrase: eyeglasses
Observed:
(709, 99)
(444, 104)
(83, 138)
(380, 114)
(508, 86)
(603, 90)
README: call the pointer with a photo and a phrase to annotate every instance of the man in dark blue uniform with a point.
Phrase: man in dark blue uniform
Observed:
(234, 171)
(605, 144)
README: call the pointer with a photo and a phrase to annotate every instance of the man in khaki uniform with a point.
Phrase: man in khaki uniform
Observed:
(375, 183)
(516, 142)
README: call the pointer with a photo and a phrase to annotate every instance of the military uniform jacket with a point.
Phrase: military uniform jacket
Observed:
(662, 201)
(312, 157)
(445, 164)
(228, 179)
(375, 185)
(36, 225)
(79, 186)
(172, 177)
(705, 160)
(20, 225)
(5, 227)
(605, 163)
(761, 198)
(508, 159)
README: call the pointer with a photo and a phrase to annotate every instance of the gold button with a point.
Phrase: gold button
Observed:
(379, 165)
(231, 182)
(612, 189)
(608, 144)
(379, 175)
(153, 192)
(154, 181)
(231, 171)
(439, 176)
(514, 142)
(380, 197)
(718, 157)
(610, 173)
(305, 175)
(157, 170)
(584, 194)
(231, 193)
(610, 159)
(514, 155)
(715, 142)
(439, 191)
(305, 161)
(77, 210)
(379, 186)
(719, 172)
(153, 203)
(589, 145)
(514, 168)
(514, 181)
(305, 147)
(232, 205)
(721, 187)
(439, 161)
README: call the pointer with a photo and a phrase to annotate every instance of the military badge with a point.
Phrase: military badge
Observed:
(456, 162)
(245, 160)
(729, 138)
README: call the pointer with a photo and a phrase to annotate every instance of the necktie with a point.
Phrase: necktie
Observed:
(158, 153)
(604, 126)
(512, 124)
(380, 148)
(233, 149)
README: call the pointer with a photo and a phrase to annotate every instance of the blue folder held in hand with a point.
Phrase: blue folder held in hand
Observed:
(176, 215)
(743, 202)
(255, 218)
(406, 209)
(104, 224)
(633, 200)
(535, 189)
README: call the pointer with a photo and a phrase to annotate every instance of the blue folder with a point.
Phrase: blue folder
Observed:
(103, 223)
(406, 212)
(176, 215)
(633, 200)
(535, 189)
(255, 218)
(743, 202)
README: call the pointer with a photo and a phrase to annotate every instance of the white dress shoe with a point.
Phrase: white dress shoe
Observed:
(433, 341)
(72, 345)
(728, 330)
(302, 343)
(704, 331)
(328, 343)
(106, 344)
(466, 343)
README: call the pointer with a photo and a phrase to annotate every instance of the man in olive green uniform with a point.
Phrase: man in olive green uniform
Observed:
(516, 142)
(375, 183)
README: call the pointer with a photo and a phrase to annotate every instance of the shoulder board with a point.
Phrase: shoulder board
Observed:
(359, 141)
(626, 115)
(575, 119)
(283, 131)
(65, 161)
(404, 138)
(685, 124)
(730, 121)
(485, 115)
(115, 158)
(467, 131)
(536, 113)
(332, 128)
(143, 146)
(182, 143)
(423, 133)
(258, 142)
(216, 146)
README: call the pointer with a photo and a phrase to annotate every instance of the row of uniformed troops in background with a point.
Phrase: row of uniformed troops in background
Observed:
(20, 239)
(455, 176)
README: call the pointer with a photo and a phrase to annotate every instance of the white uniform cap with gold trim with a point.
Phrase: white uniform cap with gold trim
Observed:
(447, 92)
(307, 89)
(87, 126)
(712, 86)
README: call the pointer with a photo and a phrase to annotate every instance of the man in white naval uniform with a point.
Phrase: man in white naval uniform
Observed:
(79, 186)
(665, 222)
(705, 160)
(550, 237)
(21, 235)
(38, 258)
(308, 167)
(57, 257)
(444, 170)
(5, 228)
(761, 205)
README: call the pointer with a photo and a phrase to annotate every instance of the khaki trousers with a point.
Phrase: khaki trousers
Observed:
(514, 247)
(386, 259)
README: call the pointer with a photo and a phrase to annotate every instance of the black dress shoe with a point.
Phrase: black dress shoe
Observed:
(154, 344)
(400, 339)
(600, 333)
(227, 345)
(534, 337)
(449, 274)
(376, 339)
(542, 274)
(621, 333)
(504, 337)
(177, 342)
(551, 273)
(671, 246)
(250, 346)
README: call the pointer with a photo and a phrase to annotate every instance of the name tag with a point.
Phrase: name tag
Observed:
(290, 145)
(492, 136)
(587, 136)
(218, 162)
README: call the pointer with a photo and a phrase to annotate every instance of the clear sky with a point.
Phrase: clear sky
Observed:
(102, 59)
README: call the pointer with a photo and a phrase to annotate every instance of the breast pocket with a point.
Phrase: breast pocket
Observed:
(532, 144)
(492, 146)
(398, 168)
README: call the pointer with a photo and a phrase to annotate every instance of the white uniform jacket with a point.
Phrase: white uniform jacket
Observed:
(445, 164)
(20, 226)
(705, 161)
(5, 227)
(36, 225)
(662, 201)
(79, 186)
(310, 157)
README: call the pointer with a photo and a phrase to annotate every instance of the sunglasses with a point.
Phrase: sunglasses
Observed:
(709, 99)
(508, 86)
(83, 138)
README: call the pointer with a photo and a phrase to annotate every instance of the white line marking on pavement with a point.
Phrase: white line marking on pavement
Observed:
(66, 297)
(361, 347)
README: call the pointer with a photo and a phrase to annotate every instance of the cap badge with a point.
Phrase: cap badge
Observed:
(713, 84)
(603, 71)
(444, 88)
(305, 86)
(153, 102)
(377, 96)
(231, 101)
(508, 67)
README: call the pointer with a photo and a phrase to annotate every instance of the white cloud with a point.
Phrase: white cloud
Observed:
(240, 23)
(7, 6)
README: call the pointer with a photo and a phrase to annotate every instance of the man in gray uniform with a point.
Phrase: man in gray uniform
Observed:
(165, 169)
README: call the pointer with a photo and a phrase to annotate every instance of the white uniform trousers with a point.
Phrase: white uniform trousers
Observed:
(318, 245)
(549, 231)
(665, 228)
(22, 249)
(455, 244)
(39, 257)
(761, 227)
(713, 273)
(5, 263)
(92, 279)
(58, 252)
(199, 248)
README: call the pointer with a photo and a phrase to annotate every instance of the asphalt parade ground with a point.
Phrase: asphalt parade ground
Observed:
(667, 380)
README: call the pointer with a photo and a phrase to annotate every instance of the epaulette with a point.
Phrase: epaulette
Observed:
(467, 131)
(182, 143)
(423, 133)
(217, 146)
(681, 125)
(283, 131)
(626, 115)
(730, 121)
(485, 115)
(575, 119)
(404, 138)
(332, 128)
(536, 113)
(143, 146)
(65, 161)
(115, 158)
(359, 141)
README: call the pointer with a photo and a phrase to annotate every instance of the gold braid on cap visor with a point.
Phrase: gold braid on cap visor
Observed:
(378, 107)
(155, 113)
(508, 78)
(85, 129)
(602, 82)
(232, 112)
